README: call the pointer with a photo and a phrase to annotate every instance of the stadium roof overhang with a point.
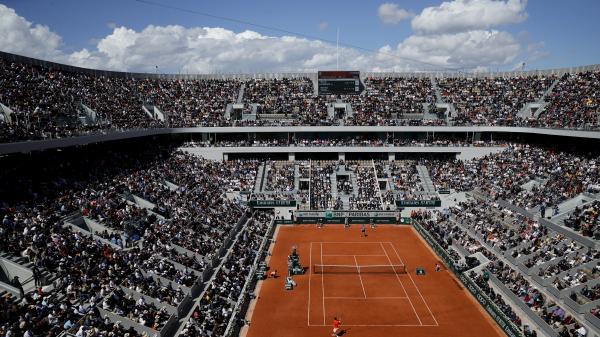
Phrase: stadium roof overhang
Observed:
(38, 145)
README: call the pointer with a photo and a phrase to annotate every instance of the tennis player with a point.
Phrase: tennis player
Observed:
(363, 230)
(336, 327)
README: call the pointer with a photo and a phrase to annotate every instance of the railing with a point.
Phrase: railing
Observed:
(262, 177)
(377, 189)
(93, 137)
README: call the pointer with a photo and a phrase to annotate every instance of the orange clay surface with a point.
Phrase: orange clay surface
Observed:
(368, 304)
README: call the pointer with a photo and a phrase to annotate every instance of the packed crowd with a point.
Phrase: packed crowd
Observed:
(592, 293)
(585, 219)
(138, 311)
(544, 249)
(170, 243)
(498, 226)
(388, 99)
(47, 103)
(492, 101)
(496, 298)
(368, 195)
(344, 185)
(574, 102)
(357, 184)
(405, 179)
(52, 103)
(217, 306)
(354, 141)
(276, 196)
(575, 277)
(287, 96)
(320, 186)
(280, 176)
(567, 263)
(447, 233)
(556, 176)
(162, 290)
(563, 323)
(192, 102)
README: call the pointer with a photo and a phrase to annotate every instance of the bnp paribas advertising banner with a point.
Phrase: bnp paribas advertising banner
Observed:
(331, 216)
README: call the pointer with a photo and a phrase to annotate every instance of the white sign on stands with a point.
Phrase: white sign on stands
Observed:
(310, 214)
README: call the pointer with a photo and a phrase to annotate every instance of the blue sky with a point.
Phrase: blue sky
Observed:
(544, 34)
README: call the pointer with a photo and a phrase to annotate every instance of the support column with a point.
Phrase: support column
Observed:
(225, 156)
(391, 156)
(292, 156)
(342, 156)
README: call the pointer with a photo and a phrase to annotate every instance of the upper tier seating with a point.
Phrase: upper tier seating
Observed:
(47, 102)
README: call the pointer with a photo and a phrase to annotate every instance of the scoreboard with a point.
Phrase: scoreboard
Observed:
(340, 83)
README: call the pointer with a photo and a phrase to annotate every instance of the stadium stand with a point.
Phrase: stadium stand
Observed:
(216, 309)
(485, 101)
(140, 238)
(154, 232)
(388, 100)
(141, 265)
(42, 100)
(574, 101)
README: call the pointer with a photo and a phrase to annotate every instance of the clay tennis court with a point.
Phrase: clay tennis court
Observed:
(362, 281)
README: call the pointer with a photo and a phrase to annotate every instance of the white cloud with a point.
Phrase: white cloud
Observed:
(176, 49)
(536, 51)
(464, 15)
(17, 35)
(323, 25)
(463, 50)
(205, 50)
(391, 13)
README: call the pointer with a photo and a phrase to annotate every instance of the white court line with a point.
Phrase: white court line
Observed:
(353, 255)
(398, 278)
(352, 242)
(368, 298)
(382, 325)
(309, 281)
(398, 255)
(360, 277)
(413, 281)
(323, 285)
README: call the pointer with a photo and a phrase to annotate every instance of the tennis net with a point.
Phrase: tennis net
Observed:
(354, 269)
